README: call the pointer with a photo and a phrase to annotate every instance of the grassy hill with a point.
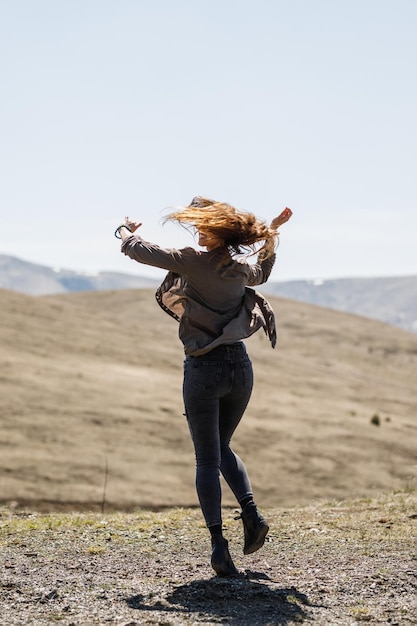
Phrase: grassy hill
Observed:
(92, 380)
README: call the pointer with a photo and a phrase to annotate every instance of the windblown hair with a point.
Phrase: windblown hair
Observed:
(240, 232)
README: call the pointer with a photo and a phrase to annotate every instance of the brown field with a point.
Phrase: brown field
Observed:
(93, 380)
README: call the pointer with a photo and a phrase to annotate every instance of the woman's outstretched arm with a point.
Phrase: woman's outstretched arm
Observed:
(147, 253)
(262, 269)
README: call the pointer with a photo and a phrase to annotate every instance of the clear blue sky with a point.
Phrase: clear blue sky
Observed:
(114, 107)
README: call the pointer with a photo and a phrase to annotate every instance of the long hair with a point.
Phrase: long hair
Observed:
(238, 231)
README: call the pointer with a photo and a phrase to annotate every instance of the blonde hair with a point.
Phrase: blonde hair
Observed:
(240, 232)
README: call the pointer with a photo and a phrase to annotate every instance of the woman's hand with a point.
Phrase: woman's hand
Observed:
(281, 219)
(132, 225)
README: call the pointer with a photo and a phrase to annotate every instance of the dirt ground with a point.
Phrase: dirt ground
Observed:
(338, 562)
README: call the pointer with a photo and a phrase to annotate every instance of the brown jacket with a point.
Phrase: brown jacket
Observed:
(210, 298)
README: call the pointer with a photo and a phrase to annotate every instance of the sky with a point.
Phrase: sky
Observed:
(130, 107)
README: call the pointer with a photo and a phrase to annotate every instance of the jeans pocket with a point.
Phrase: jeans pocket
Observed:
(203, 377)
(246, 372)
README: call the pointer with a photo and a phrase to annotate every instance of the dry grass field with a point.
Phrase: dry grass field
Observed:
(92, 380)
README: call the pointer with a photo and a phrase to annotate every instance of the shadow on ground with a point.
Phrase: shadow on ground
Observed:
(236, 601)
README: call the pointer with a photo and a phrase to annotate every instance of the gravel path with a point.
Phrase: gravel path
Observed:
(338, 563)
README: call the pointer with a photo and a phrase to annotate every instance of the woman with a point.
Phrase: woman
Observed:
(208, 293)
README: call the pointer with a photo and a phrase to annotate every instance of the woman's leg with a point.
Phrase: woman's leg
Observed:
(202, 382)
(231, 409)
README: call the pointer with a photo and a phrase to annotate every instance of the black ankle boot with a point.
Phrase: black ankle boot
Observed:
(221, 561)
(255, 528)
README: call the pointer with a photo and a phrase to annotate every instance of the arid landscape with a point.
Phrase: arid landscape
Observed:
(92, 416)
(148, 109)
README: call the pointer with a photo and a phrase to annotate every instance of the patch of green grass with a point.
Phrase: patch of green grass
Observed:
(96, 549)
(386, 516)
(23, 523)
(143, 524)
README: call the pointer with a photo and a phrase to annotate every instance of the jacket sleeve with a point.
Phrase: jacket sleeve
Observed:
(150, 254)
(260, 271)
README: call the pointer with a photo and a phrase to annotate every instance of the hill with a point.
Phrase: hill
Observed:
(38, 280)
(389, 299)
(93, 381)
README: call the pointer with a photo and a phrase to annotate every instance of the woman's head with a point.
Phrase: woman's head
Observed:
(222, 225)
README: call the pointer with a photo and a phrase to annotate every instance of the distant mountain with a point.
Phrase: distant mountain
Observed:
(392, 300)
(41, 280)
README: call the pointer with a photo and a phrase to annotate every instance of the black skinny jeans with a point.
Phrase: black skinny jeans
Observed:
(217, 387)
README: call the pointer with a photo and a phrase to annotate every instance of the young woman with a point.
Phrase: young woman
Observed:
(208, 293)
